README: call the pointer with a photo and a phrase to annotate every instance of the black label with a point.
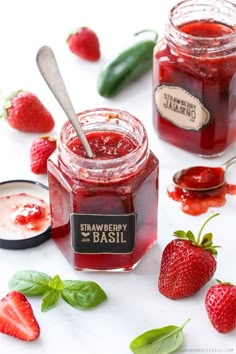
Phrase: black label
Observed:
(98, 233)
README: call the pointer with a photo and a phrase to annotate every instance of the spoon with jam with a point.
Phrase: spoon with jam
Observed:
(202, 178)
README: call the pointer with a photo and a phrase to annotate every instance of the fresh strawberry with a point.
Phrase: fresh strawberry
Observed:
(25, 112)
(84, 43)
(187, 264)
(41, 148)
(17, 318)
(220, 304)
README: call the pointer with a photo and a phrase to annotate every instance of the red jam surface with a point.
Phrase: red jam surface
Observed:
(209, 79)
(206, 29)
(23, 215)
(196, 203)
(200, 177)
(125, 197)
(105, 145)
(28, 214)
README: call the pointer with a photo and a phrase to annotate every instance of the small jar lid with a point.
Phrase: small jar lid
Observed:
(19, 198)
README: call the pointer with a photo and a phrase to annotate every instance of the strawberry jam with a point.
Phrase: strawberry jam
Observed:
(29, 214)
(105, 145)
(194, 78)
(101, 222)
(196, 203)
(23, 215)
(200, 177)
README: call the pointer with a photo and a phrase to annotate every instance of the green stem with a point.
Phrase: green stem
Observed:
(148, 30)
(183, 325)
(204, 224)
(224, 282)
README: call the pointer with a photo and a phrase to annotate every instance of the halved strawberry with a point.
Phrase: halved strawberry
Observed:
(17, 318)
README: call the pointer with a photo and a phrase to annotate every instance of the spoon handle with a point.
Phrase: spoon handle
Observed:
(229, 162)
(49, 70)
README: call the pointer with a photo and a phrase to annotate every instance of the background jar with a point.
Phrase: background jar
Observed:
(194, 80)
(111, 193)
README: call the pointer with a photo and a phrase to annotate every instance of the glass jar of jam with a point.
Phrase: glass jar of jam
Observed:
(194, 77)
(104, 210)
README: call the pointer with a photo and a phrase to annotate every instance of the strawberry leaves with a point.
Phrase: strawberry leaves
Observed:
(7, 103)
(185, 235)
(205, 242)
(187, 263)
(79, 294)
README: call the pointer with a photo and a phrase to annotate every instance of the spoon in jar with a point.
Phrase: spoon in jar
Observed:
(202, 178)
(49, 70)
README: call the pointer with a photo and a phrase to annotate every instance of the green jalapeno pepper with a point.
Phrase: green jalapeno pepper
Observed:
(128, 66)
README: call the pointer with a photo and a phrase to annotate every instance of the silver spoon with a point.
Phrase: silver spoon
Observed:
(49, 69)
(202, 178)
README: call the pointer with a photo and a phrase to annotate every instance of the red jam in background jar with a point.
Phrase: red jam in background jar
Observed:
(194, 77)
(104, 210)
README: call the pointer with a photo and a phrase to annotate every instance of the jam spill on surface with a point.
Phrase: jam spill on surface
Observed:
(196, 203)
(23, 215)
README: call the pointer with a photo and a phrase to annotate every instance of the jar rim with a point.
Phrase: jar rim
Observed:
(111, 116)
(213, 44)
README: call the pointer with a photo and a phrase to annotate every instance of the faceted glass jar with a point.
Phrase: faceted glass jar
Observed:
(194, 77)
(104, 211)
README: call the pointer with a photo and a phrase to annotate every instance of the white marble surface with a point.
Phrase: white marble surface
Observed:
(134, 304)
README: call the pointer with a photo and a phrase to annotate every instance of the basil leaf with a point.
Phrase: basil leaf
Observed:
(56, 283)
(158, 341)
(79, 294)
(82, 294)
(30, 282)
(50, 299)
